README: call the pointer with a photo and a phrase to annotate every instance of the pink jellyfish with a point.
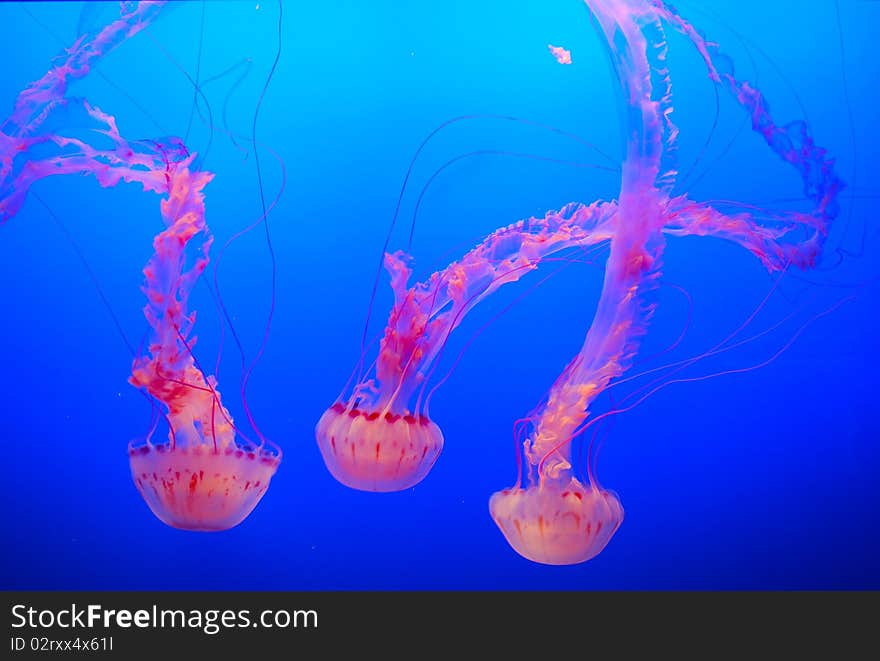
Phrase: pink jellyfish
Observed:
(204, 477)
(557, 519)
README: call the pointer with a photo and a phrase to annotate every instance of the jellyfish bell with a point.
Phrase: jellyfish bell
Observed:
(375, 450)
(557, 523)
(370, 439)
(199, 488)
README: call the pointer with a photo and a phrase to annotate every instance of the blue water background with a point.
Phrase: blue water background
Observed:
(763, 479)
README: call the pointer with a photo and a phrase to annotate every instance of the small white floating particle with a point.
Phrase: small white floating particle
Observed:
(562, 56)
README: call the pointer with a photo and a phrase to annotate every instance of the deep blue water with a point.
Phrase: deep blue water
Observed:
(762, 479)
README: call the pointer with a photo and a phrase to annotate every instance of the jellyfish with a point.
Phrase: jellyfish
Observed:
(556, 519)
(381, 437)
(204, 477)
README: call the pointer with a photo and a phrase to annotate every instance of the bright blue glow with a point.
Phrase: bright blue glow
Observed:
(760, 480)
